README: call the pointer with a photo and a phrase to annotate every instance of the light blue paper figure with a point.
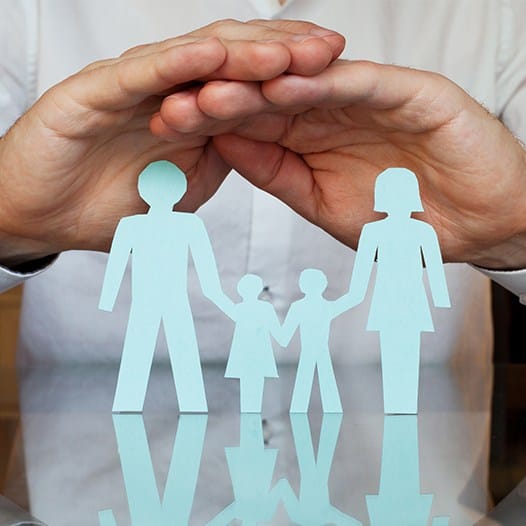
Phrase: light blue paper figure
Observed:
(399, 502)
(313, 506)
(251, 468)
(144, 502)
(313, 315)
(159, 242)
(399, 307)
(251, 356)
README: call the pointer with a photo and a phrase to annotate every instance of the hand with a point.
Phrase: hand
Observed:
(318, 144)
(69, 166)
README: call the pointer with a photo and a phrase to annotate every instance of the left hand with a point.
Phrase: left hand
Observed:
(319, 142)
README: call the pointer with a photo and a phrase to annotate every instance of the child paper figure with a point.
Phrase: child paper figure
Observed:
(399, 500)
(313, 506)
(144, 502)
(251, 356)
(399, 307)
(159, 242)
(313, 315)
(251, 467)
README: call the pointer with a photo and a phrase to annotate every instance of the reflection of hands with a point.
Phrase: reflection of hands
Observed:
(326, 138)
(68, 167)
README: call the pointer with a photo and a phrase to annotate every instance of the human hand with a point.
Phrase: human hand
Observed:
(318, 144)
(69, 166)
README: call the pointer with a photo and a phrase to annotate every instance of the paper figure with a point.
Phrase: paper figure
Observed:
(399, 307)
(399, 500)
(251, 468)
(159, 242)
(144, 502)
(251, 356)
(313, 315)
(313, 506)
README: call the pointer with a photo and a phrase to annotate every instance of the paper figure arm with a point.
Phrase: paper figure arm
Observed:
(284, 334)
(225, 517)
(338, 518)
(435, 267)
(363, 266)
(206, 267)
(121, 247)
(274, 324)
(106, 518)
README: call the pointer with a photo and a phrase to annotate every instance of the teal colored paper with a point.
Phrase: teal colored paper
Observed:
(399, 307)
(313, 507)
(144, 502)
(252, 356)
(251, 468)
(159, 243)
(399, 501)
(313, 315)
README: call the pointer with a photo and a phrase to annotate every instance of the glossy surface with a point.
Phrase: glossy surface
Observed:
(85, 466)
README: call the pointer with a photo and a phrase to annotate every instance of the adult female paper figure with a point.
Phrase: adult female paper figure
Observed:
(399, 307)
(251, 356)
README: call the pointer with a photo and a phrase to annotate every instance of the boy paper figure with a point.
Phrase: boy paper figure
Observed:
(251, 356)
(159, 242)
(399, 307)
(313, 315)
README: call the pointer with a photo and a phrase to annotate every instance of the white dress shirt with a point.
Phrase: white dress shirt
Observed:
(476, 43)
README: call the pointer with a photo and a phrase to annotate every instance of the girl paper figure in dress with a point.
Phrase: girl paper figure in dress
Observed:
(400, 311)
(252, 356)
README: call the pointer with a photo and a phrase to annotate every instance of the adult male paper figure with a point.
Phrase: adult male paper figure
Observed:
(160, 242)
(145, 504)
(399, 307)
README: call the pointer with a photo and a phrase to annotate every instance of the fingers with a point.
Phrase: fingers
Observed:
(311, 47)
(127, 82)
(272, 168)
(403, 98)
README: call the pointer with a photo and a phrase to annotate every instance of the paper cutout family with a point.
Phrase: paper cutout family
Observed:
(160, 242)
(252, 473)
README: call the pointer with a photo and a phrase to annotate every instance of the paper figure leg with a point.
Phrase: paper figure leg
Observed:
(330, 397)
(186, 363)
(251, 394)
(136, 361)
(400, 371)
(303, 386)
(106, 518)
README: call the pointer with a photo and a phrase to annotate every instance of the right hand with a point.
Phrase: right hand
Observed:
(69, 166)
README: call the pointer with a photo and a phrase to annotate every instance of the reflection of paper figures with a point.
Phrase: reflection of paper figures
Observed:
(139, 477)
(399, 500)
(251, 357)
(399, 307)
(160, 241)
(313, 315)
(251, 468)
(313, 506)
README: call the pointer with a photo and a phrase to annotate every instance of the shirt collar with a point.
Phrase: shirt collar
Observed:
(270, 8)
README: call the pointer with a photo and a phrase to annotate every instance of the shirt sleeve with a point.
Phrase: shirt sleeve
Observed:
(511, 105)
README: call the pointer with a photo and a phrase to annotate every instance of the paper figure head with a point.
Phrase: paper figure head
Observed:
(396, 190)
(162, 183)
(312, 281)
(250, 286)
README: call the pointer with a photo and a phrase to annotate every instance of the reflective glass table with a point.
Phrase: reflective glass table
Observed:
(84, 466)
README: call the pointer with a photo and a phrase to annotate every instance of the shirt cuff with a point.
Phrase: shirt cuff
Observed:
(513, 280)
(11, 277)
